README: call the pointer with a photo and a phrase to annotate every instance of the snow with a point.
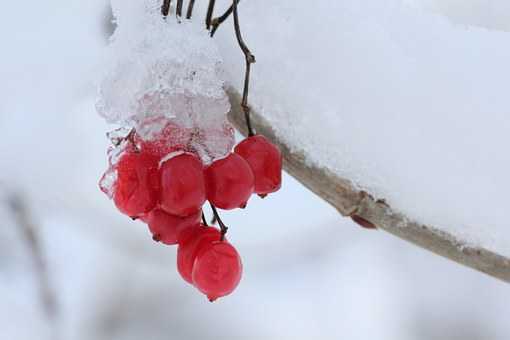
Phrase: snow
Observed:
(408, 104)
(166, 71)
(489, 14)
(308, 273)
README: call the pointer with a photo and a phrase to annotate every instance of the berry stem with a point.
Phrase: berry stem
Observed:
(210, 10)
(214, 220)
(216, 22)
(131, 138)
(165, 8)
(178, 8)
(223, 227)
(190, 9)
(250, 59)
(204, 221)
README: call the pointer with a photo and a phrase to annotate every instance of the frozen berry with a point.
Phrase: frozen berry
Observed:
(170, 138)
(217, 269)
(229, 182)
(136, 189)
(212, 142)
(189, 246)
(182, 185)
(168, 228)
(265, 160)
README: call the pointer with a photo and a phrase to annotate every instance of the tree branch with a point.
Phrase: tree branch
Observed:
(342, 194)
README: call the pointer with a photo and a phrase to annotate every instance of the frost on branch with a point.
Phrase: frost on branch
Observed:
(163, 75)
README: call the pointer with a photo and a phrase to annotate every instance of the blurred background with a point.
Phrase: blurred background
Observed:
(72, 267)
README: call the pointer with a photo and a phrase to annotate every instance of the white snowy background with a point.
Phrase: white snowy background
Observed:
(307, 272)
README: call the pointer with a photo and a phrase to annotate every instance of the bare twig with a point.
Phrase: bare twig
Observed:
(216, 22)
(22, 217)
(343, 195)
(249, 59)
(189, 13)
(208, 17)
(178, 8)
(165, 8)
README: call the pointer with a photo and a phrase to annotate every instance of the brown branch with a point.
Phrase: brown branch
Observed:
(349, 201)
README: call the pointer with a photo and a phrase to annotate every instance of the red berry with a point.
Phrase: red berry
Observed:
(168, 228)
(136, 189)
(189, 247)
(182, 185)
(265, 160)
(229, 182)
(217, 269)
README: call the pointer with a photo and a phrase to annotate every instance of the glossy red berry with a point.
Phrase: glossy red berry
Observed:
(229, 182)
(182, 185)
(217, 269)
(136, 189)
(189, 246)
(168, 228)
(265, 160)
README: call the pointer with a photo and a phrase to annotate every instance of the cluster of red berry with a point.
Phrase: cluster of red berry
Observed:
(166, 184)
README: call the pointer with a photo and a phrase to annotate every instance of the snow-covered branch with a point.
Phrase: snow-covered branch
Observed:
(349, 201)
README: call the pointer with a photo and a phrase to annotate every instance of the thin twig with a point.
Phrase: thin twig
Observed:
(350, 201)
(223, 227)
(165, 8)
(216, 22)
(208, 17)
(190, 9)
(178, 8)
(250, 59)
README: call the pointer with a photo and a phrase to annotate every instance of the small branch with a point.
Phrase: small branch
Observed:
(216, 22)
(208, 17)
(223, 227)
(250, 59)
(342, 194)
